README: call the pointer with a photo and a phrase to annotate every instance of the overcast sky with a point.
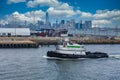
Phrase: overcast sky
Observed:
(103, 13)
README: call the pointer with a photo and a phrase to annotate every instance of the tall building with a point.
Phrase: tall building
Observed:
(47, 17)
(77, 25)
(88, 24)
(57, 24)
(80, 25)
(48, 24)
(62, 21)
(72, 23)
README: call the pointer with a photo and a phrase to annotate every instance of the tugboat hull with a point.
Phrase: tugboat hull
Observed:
(88, 55)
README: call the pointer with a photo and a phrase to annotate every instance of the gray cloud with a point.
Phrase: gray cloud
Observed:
(15, 1)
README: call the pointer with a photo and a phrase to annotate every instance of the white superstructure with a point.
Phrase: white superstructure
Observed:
(67, 47)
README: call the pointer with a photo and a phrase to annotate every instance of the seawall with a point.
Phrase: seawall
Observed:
(14, 42)
(54, 40)
(34, 42)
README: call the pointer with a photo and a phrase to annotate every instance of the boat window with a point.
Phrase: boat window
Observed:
(65, 43)
(70, 43)
(60, 43)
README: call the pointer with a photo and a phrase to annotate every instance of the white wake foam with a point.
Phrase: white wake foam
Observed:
(52, 58)
(114, 56)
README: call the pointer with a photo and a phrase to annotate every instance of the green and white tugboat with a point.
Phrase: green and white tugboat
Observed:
(67, 49)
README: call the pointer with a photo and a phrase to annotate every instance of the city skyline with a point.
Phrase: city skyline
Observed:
(101, 13)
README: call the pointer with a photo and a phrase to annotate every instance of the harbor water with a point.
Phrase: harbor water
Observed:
(31, 64)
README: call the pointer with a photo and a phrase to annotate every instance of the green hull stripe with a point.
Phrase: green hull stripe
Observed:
(73, 46)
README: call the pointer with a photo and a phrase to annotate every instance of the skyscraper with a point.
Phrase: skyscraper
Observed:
(80, 25)
(62, 21)
(72, 23)
(88, 24)
(47, 19)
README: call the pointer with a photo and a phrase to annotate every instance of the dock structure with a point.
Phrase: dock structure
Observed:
(18, 44)
(54, 40)
(34, 42)
(46, 40)
(6, 42)
(96, 41)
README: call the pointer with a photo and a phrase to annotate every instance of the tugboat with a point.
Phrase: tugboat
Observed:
(67, 49)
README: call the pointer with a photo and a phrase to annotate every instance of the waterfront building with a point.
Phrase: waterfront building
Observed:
(14, 32)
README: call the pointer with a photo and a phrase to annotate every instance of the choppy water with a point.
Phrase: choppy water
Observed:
(29, 64)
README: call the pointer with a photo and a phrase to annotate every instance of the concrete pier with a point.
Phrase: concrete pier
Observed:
(45, 40)
(96, 41)
(54, 40)
(18, 44)
(6, 42)
(34, 42)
